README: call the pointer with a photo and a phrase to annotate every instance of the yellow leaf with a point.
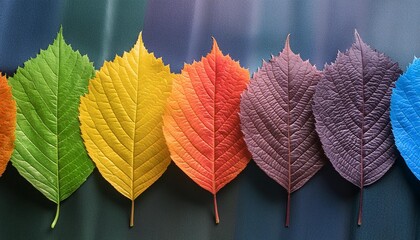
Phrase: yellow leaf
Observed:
(121, 120)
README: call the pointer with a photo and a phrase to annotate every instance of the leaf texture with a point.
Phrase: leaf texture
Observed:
(351, 108)
(49, 151)
(277, 121)
(405, 116)
(201, 121)
(7, 123)
(121, 121)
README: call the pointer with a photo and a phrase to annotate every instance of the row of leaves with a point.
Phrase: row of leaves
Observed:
(135, 116)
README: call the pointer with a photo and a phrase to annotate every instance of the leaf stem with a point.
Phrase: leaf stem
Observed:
(216, 212)
(288, 210)
(57, 213)
(359, 219)
(132, 214)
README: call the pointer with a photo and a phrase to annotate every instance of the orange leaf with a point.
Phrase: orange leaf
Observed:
(201, 122)
(7, 123)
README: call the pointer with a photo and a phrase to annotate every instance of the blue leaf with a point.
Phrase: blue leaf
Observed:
(405, 116)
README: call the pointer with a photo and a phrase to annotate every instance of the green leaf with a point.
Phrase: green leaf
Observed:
(49, 151)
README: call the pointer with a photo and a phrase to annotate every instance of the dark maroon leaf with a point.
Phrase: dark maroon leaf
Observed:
(277, 121)
(351, 108)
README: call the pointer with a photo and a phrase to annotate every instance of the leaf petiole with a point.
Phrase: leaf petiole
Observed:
(57, 213)
(132, 214)
(359, 219)
(288, 210)
(216, 212)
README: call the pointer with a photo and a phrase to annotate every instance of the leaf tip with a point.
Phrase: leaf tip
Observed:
(357, 37)
(140, 38)
(356, 33)
(60, 32)
(215, 45)
(287, 43)
(139, 44)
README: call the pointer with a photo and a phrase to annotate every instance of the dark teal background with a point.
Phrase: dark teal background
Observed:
(252, 207)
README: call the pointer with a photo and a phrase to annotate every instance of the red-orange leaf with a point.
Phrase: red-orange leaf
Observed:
(201, 122)
(7, 123)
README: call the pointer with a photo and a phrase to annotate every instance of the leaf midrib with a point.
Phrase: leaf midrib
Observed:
(362, 115)
(289, 158)
(135, 121)
(60, 38)
(214, 124)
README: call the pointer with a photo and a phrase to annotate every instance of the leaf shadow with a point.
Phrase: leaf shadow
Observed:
(28, 205)
(336, 183)
(327, 176)
(181, 188)
(412, 182)
(18, 189)
(183, 198)
(264, 185)
(107, 191)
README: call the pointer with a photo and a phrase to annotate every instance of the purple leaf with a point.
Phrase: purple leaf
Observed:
(351, 108)
(277, 121)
